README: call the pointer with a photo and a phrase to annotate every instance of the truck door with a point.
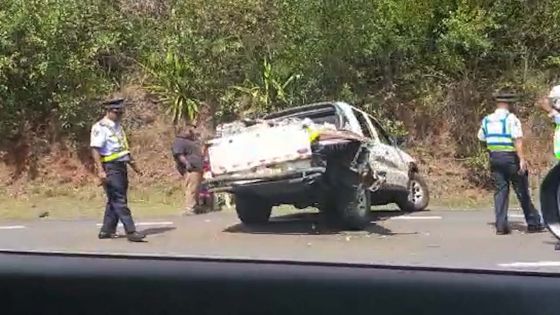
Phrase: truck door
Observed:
(382, 156)
(394, 158)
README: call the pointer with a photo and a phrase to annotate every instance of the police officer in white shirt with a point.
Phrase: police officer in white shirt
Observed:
(503, 135)
(111, 155)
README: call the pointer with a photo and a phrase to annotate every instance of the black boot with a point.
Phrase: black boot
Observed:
(106, 235)
(505, 231)
(535, 228)
(135, 237)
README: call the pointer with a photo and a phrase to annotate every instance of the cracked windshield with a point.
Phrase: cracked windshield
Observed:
(384, 132)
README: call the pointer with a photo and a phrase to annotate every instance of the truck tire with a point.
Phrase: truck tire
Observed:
(252, 210)
(327, 206)
(418, 196)
(353, 205)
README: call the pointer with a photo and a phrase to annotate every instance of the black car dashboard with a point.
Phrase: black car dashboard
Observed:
(37, 283)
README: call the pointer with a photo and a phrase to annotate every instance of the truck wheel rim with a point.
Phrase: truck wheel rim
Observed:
(416, 193)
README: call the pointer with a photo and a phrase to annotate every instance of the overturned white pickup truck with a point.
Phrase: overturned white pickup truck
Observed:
(329, 155)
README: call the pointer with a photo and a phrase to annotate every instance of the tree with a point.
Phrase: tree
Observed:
(51, 66)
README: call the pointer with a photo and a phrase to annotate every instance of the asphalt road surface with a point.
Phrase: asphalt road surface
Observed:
(458, 239)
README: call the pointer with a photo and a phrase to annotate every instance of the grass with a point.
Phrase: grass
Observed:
(68, 203)
(484, 201)
(62, 202)
(462, 203)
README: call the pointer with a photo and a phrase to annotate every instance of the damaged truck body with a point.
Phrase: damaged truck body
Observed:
(327, 155)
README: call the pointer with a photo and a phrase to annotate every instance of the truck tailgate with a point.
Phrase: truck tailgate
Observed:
(258, 147)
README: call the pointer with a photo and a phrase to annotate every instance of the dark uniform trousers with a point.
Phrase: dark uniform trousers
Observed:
(116, 188)
(505, 169)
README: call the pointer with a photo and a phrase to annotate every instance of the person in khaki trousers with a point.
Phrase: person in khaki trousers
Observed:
(187, 153)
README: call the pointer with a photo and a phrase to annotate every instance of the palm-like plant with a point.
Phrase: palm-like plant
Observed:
(271, 92)
(174, 81)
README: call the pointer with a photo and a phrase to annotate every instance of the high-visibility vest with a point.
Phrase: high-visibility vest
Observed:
(501, 141)
(557, 141)
(314, 133)
(123, 143)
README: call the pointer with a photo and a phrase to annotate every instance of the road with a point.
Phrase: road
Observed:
(458, 239)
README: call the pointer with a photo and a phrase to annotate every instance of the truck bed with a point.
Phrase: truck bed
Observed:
(257, 147)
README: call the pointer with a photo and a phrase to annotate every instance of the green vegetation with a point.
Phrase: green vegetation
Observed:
(424, 64)
(55, 58)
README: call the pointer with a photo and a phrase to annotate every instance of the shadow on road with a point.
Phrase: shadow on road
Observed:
(311, 224)
(552, 242)
(158, 230)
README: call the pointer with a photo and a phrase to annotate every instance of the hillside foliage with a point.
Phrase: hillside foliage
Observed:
(415, 64)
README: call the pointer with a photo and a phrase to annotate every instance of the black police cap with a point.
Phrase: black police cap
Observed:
(506, 97)
(117, 103)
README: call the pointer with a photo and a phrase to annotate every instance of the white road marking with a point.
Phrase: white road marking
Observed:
(12, 227)
(409, 217)
(146, 223)
(516, 216)
(534, 264)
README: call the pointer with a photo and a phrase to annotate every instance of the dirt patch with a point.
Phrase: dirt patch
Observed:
(151, 134)
(70, 165)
